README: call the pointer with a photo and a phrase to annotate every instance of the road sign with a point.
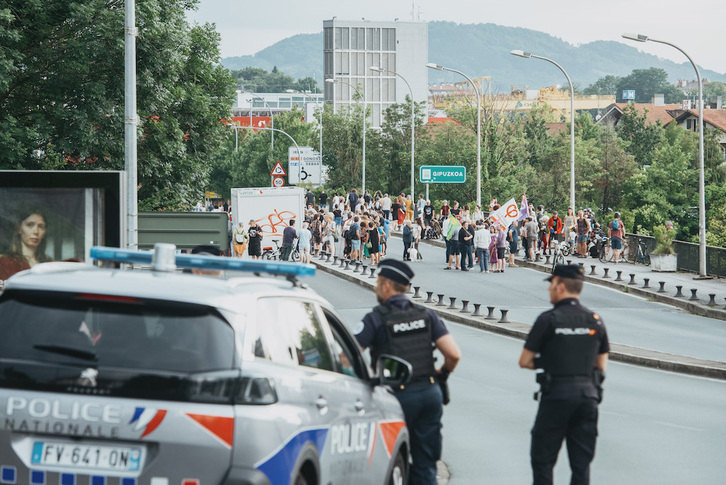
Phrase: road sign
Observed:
(309, 169)
(442, 174)
(278, 170)
(628, 93)
(278, 182)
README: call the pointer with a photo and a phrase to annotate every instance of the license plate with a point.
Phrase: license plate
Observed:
(90, 457)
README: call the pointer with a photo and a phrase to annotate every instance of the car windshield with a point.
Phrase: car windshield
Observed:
(97, 331)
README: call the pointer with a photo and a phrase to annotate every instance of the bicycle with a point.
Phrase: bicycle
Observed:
(641, 254)
(559, 257)
(276, 253)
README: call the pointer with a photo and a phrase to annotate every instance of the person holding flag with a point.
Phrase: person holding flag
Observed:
(451, 234)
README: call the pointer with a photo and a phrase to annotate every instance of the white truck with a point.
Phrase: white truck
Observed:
(271, 207)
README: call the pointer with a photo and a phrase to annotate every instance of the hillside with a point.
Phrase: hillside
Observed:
(483, 50)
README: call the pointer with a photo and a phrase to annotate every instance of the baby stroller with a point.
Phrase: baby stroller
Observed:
(433, 231)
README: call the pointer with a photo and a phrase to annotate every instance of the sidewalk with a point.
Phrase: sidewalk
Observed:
(624, 353)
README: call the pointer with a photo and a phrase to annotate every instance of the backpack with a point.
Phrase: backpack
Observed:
(615, 225)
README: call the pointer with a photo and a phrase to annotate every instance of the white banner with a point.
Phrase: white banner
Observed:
(506, 214)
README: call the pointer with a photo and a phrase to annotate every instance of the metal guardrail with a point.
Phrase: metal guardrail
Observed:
(688, 255)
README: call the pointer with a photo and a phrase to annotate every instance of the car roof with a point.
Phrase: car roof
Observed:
(230, 294)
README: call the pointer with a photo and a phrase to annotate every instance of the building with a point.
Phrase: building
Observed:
(351, 48)
(713, 119)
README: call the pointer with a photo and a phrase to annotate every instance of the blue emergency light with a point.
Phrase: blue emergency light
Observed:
(164, 258)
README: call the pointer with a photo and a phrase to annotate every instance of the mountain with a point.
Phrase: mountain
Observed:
(483, 50)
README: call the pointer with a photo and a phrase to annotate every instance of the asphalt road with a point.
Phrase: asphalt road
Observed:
(631, 320)
(655, 427)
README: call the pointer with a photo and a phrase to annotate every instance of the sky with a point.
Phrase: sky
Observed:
(248, 26)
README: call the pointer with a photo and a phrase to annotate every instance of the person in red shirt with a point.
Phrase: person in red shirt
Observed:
(616, 229)
(555, 225)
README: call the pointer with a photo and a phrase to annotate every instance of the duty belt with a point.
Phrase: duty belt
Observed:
(421, 382)
(555, 380)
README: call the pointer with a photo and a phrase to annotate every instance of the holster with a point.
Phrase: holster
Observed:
(441, 379)
(545, 382)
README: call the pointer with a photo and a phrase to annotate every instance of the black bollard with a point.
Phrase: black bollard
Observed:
(547, 259)
(363, 270)
(693, 295)
(490, 315)
(605, 273)
(335, 259)
(504, 318)
(415, 293)
(328, 259)
(632, 279)
(429, 297)
(662, 287)
(620, 276)
(342, 263)
(373, 272)
(678, 291)
(476, 313)
(712, 299)
(357, 267)
(537, 258)
(441, 301)
(646, 285)
(322, 255)
(465, 307)
(452, 305)
(592, 270)
(569, 261)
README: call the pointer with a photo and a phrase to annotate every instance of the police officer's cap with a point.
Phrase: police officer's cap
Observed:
(396, 270)
(207, 250)
(572, 271)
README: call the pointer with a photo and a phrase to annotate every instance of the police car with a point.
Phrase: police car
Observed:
(134, 377)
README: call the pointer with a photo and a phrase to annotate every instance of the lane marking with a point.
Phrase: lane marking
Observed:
(678, 426)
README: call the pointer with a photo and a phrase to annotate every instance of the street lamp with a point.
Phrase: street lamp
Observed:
(320, 121)
(413, 122)
(272, 125)
(237, 127)
(478, 126)
(363, 100)
(527, 55)
(701, 175)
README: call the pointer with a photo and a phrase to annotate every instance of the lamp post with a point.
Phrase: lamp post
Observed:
(320, 121)
(413, 122)
(478, 126)
(701, 175)
(131, 122)
(272, 125)
(363, 100)
(236, 127)
(527, 55)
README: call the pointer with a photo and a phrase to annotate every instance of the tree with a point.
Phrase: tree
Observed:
(642, 137)
(62, 100)
(605, 86)
(258, 80)
(646, 83)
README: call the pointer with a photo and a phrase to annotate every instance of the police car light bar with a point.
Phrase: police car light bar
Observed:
(101, 253)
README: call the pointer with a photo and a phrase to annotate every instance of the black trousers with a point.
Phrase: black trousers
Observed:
(574, 420)
(423, 407)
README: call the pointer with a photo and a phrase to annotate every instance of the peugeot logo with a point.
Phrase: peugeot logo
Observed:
(88, 377)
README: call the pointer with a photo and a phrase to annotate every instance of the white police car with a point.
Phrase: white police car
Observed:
(129, 377)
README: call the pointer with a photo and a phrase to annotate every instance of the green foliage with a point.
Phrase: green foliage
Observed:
(62, 98)
(257, 80)
(641, 137)
(663, 240)
(605, 86)
(646, 83)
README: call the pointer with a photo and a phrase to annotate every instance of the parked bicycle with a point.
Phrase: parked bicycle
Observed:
(563, 249)
(640, 253)
(276, 253)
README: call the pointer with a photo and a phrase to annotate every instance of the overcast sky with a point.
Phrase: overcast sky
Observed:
(249, 26)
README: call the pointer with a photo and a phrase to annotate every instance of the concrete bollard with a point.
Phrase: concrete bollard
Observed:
(646, 285)
(363, 270)
(712, 299)
(662, 287)
(476, 313)
(373, 272)
(490, 315)
(440, 302)
(335, 259)
(342, 263)
(547, 259)
(328, 259)
(357, 267)
(322, 255)
(605, 273)
(592, 270)
(429, 297)
(632, 279)
(537, 258)
(416, 293)
(465, 307)
(678, 291)
(693, 295)
(347, 264)
(619, 277)
(504, 318)
(452, 305)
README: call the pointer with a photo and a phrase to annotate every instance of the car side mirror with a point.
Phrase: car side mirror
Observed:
(392, 371)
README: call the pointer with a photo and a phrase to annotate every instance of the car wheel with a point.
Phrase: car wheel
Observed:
(300, 480)
(398, 472)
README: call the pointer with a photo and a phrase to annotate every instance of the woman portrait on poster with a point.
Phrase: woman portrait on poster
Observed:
(28, 244)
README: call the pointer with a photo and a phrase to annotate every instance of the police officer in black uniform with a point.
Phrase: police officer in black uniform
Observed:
(399, 327)
(570, 344)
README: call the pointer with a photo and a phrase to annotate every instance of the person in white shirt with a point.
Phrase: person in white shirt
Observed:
(304, 237)
(386, 206)
(482, 240)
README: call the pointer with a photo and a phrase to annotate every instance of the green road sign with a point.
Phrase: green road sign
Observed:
(442, 174)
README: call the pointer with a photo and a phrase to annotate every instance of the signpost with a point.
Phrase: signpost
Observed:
(309, 169)
(628, 94)
(277, 175)
(442, 174)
